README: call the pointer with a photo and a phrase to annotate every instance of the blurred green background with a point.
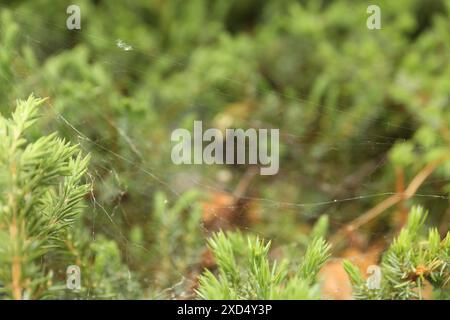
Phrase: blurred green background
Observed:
(361, 112)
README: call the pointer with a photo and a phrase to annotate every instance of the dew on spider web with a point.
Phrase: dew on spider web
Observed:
(122, 45)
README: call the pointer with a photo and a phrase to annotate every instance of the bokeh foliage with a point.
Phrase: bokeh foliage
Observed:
(361, 112)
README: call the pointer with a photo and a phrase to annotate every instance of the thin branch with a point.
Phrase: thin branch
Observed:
(371, 214)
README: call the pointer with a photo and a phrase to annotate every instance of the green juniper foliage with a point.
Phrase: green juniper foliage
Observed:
(409, 262)
(177, 239)
(174, 253)
(41, 196)
(361, 113)
(245, 271)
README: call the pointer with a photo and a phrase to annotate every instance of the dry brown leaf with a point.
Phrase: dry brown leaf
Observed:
(335, 282)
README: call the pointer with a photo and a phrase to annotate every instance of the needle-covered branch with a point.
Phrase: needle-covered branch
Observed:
(42, 189)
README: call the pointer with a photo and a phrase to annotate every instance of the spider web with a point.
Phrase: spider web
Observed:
(203, 179)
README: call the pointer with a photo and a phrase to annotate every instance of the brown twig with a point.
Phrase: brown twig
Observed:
(412, 188)
(400, 189)
(244, 183)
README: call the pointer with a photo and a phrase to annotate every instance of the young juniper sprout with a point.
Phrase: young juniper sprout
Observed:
(42, 192)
